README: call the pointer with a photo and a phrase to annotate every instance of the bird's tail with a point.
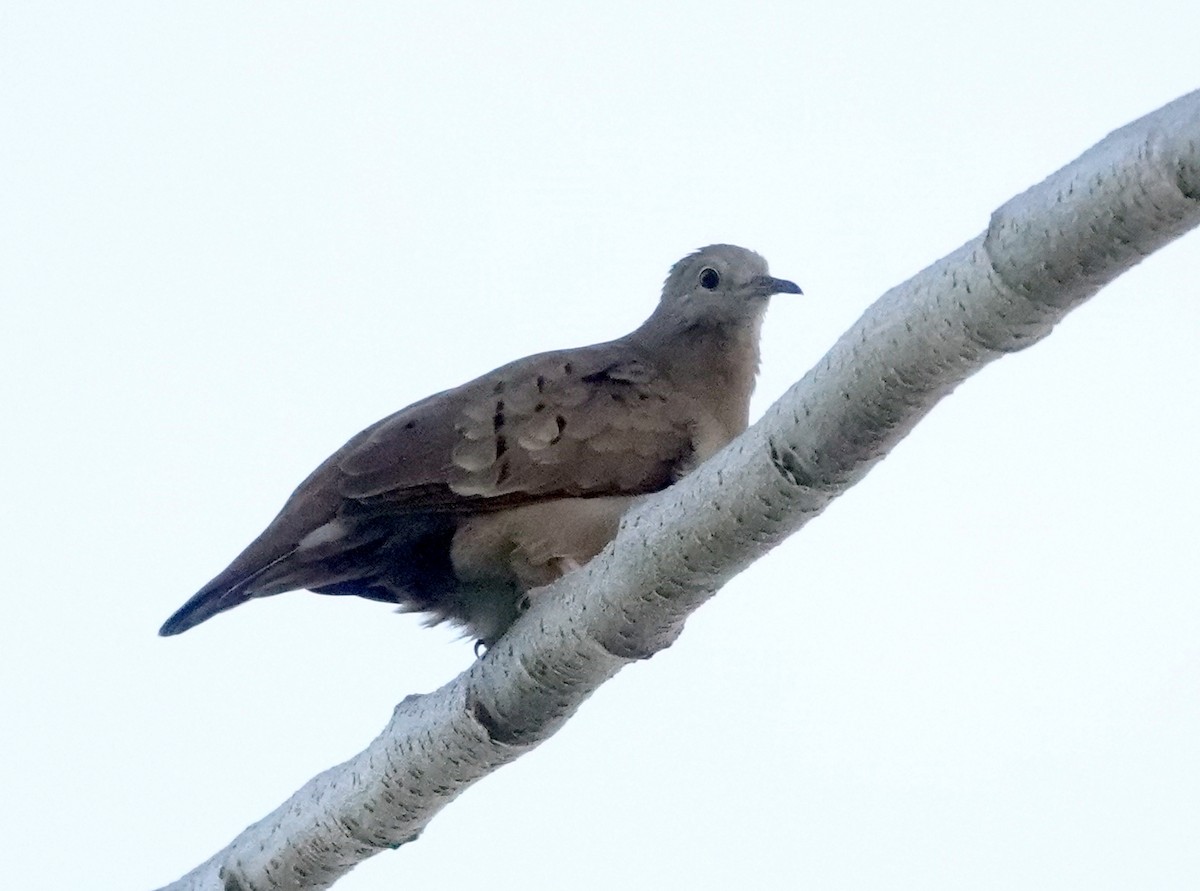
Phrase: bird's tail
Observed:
(215, 597)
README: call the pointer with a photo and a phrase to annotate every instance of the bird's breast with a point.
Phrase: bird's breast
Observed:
(532, 545)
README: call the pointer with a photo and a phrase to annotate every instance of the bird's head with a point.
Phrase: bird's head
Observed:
(719, 285)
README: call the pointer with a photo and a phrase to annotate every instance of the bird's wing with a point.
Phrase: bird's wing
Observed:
(587, 422)
(584, 422)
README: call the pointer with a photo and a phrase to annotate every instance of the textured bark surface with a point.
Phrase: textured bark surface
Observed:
(1045, 252)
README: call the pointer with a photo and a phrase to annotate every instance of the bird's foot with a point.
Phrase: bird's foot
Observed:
(568, 564)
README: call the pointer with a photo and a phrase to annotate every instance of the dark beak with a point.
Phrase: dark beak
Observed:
(767, 286)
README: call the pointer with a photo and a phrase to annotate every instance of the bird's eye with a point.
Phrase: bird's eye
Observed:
(709, 278)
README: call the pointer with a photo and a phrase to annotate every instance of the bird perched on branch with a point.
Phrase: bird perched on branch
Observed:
(462, 503)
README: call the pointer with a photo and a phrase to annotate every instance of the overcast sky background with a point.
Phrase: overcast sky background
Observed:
(234, 234)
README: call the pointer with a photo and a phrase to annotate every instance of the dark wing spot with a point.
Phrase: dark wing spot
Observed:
(562, 425)
(498, 417)
(503, 475)
(501, 446)
(499, 388)
(567, 368)
(541, 384)
(410, 425)
(617, 373)
(541, 406)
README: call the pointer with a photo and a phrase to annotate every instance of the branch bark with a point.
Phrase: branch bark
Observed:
(1043, 254)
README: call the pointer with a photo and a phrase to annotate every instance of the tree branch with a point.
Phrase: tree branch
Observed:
(1044, 253)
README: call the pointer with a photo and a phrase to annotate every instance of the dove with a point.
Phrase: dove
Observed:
(461, 505)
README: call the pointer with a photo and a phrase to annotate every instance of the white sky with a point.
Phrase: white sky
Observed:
(234, 234)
